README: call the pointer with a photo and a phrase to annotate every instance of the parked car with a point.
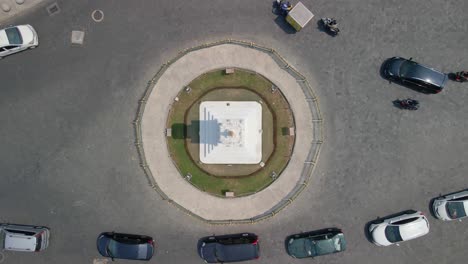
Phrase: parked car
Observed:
(17, 38)
(125, 246)
(406, 226)
(316, 243)
(24, 237)
(415, 75)
(229, 248)
(452, 206)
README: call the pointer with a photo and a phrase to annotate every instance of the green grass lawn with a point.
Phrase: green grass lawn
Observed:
(204, 88)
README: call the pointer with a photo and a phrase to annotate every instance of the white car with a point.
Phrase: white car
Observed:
(24, 237)
(451, 207)
(17, 38)
(407, 226)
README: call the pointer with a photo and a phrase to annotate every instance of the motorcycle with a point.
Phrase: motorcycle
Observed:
(408, 104)
(283, 6)
(461, 76)
(330, 25)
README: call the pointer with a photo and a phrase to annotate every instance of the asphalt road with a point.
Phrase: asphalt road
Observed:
(68, 160)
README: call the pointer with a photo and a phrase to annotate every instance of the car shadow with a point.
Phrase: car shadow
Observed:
(379, 220)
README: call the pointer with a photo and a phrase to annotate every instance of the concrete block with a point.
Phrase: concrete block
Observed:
(77, 37)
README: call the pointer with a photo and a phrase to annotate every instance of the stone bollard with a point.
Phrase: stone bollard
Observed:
(6, 7)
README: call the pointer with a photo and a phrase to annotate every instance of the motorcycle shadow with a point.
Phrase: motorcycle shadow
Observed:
(397, 104)
(452, 76)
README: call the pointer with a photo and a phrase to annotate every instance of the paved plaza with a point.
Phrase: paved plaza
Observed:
(69, 159)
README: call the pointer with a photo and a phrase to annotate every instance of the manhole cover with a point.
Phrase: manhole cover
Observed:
(53, 9)
(97, 15)
(77, 37)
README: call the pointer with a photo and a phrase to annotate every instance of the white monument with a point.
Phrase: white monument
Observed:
(230, 132)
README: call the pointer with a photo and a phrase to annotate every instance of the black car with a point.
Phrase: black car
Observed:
(414, 75)
(125, 246)
(316, 243)
(229, 248)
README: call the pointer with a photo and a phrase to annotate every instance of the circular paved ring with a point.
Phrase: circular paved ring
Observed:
(150, 126)
(97, 15)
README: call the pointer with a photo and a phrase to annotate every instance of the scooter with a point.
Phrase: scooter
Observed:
(330, 25)
(461, 76)
(408, 104)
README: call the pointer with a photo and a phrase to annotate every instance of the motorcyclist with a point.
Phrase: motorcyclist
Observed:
(463, 75)
(332, 23)
(410, 102)
(285, 7)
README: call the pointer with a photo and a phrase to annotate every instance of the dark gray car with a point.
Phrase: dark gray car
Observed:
(125, 246)
(316, 243)
(412, 74)
(229, 248)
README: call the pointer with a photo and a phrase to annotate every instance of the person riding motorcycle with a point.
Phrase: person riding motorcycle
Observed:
(461, 76)
(285, 7)
(410, 104)
(332, 24)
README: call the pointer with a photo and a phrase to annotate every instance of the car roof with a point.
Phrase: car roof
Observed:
(464, 202)
(414, 229)
(321, 244)
(132, 251)
(236, 252)
(20, 242)
(423, 73)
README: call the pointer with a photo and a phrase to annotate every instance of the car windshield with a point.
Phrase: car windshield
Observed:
(218, 252)
(2, 239)
(14, 36)
(339, 243)
(456, 210)
(39, 242)
(323, 247)
(407, 67)
(393, 234)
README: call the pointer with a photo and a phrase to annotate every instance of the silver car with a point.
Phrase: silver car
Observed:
(24, 237)
(17, 38)
(451, 207)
